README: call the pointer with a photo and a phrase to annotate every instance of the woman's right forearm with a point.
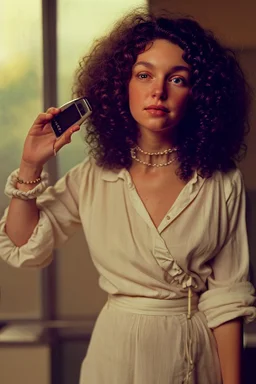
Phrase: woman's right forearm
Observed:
(23, 215)
(39, 147)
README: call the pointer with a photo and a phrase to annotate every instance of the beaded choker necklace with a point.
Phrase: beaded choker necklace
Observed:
(165, 152)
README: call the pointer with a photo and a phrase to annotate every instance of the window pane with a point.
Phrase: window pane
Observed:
(20, 102)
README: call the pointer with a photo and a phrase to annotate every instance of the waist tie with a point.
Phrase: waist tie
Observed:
(160, 307)
(155, 307)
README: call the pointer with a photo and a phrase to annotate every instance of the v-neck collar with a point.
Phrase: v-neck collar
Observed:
(185, 197)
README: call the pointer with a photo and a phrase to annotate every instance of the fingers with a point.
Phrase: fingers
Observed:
(65, 138)
(53, 110)
(44, 118)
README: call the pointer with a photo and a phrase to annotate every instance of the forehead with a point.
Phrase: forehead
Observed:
(162, 51)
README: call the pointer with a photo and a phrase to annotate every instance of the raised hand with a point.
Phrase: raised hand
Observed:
(41, 143)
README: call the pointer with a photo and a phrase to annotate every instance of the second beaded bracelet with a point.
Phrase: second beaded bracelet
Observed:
(20, 181)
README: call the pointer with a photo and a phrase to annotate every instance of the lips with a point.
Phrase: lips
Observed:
(157, 108)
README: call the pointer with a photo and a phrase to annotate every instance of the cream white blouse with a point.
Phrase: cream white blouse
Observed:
(201, 242)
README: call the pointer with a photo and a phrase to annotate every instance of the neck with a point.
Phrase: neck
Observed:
(150, 142)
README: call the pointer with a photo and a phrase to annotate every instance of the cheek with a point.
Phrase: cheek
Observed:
(135, 97)
(133, 92)
(182, 103)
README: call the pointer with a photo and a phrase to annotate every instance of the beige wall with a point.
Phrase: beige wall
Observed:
(20, 293)
(25, 364)
(232, 21)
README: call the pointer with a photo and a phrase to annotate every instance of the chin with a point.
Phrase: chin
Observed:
(158, 128)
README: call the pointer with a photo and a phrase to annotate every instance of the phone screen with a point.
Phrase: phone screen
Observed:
(68, 117)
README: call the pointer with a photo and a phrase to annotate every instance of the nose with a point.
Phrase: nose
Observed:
(159, 91)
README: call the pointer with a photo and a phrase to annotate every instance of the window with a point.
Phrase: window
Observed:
(20, 101)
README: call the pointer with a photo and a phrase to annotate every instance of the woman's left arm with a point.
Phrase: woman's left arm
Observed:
(229, 338)
(230, 296)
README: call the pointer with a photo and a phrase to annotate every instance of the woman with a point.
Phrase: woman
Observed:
(160, 200)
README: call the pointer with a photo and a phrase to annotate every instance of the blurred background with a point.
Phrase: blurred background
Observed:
(47, 315)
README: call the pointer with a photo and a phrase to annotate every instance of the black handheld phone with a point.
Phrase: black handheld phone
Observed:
(74, 112)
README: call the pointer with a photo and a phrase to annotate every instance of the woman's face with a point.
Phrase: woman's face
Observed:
(159, 88)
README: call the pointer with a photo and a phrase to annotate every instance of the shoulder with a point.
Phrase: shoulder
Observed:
(231, 182)
(90, 174)
(80, 175)
(83, 170)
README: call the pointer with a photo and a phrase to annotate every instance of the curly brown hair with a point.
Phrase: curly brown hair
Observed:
(211, 135)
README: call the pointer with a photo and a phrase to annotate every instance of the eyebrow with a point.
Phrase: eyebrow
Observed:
(176, 68)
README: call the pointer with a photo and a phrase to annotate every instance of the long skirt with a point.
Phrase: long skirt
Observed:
(151, 341)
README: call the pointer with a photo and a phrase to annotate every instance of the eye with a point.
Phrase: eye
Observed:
(143, 76)
(178, 80)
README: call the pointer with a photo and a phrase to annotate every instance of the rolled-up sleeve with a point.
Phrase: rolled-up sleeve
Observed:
(230, 294)
(59, 219)
(37, 252)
